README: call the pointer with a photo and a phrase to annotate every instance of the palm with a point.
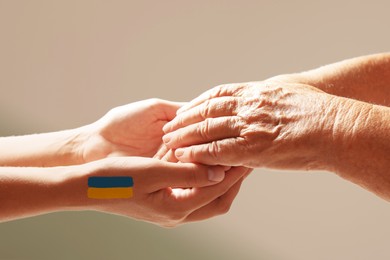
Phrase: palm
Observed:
(132, 130)
(137, 134)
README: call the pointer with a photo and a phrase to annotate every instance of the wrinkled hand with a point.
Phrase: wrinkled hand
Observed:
(130, 130)
(167, 194)
(257, 124)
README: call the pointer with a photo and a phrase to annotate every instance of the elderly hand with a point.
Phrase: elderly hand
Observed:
(256, 124)
(130, 130)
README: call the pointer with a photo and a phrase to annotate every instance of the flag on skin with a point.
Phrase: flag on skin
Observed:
(110, 187)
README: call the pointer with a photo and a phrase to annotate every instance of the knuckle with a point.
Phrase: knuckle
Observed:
(214, 149)
(181, 120)
(192, 154)
(237, 123)
(178, 121)
(231, 105)
(235, 89)
(205, 110)
(218, 90)
(177, 139)
(203, 129)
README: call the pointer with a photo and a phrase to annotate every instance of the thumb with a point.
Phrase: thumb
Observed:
(168, 109)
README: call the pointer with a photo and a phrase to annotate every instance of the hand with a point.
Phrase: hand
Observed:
(226, 200)
(130, 130)
(202, 193)
(257, 124)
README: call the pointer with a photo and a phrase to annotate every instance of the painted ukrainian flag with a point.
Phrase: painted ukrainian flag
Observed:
(113, 187)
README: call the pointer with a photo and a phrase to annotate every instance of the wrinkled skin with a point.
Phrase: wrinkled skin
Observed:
(256, 124)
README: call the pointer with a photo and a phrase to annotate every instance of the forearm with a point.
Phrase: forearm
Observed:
(26, 192)
(361, 134)
(364, 78)
(43, 150)
(33, 191)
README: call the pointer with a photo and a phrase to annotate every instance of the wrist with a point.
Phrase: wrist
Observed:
(91, 145)
(317, 145)
(347, 132)
(85, 144)
(30, 191)
(72, 185)
(311, 78)
(71, 149)
(43, 150)
(299, 78)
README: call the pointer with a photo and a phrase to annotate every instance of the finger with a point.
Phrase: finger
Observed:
(187, 201)
(170, 157)
(219, 91)
(161, 152)
(217, 207)
(222, 152)
(166, 174)
(220, 205)
(167, 155)
(217, 107)
(209, 130)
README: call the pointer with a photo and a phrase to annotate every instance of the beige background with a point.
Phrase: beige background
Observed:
(65, 63)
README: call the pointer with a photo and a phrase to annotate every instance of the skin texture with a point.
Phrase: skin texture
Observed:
(56, 167)
(265, 124)
(333, 118)
(363, 78)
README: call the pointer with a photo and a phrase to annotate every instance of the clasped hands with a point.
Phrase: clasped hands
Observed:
(231, 128)
(186, 162)
(128, 141)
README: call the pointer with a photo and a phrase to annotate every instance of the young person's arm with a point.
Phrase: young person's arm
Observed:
(130, 130)
(135, 187)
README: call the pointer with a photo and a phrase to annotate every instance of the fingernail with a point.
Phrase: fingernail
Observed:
(216, 174)
(179, 152)
(166, 138)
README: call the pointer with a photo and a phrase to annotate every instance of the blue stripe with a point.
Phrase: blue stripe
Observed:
(110, 182)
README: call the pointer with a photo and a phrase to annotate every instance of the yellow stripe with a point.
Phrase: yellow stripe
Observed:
(110, 193)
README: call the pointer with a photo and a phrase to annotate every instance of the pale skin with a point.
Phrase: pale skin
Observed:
(130, 130)
(48, 172)
(334, 118)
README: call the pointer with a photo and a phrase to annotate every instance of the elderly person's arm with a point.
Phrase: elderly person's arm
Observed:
(365, 78)
(283, 125)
